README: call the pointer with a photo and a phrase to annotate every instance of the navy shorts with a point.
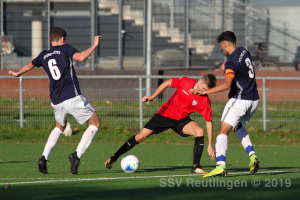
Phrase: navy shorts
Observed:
(160, 123)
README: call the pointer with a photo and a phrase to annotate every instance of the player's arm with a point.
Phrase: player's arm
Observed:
(219, 88)
(222, 87)
(159, 90)
(81, 56)
(23, 70)
(210, 147)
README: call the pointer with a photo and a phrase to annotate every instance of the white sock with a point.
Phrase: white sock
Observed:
(244, 138)
(51, 142)
(221, 148)
(86, 140)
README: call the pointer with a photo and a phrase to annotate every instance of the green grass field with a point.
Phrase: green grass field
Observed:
(164, 173)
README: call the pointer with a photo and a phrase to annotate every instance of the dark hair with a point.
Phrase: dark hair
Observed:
(56, 33)
(227, 36)
(210, 80)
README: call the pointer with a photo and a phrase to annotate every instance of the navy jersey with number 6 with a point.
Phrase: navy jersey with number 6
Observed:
(239, 65)
(57, 62)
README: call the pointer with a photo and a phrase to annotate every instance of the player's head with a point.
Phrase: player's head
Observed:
(227, 40)
(209, 80)
(57, 33)
(227, 36)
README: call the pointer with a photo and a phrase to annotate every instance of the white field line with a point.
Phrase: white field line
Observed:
(55, 180)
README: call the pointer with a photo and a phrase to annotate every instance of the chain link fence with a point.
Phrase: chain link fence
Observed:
(279, 109)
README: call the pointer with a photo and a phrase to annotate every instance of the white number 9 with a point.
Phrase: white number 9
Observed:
(54, 69)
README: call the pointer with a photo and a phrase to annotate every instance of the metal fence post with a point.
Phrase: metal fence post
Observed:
(94, 14)
(145, 34)
(223, 15)
(264, 105)
(172, 17)
(186, 34)
(1, 34)
(47, 13)
(121, 35)
(149, 47)
(140, 102)
(21, 101)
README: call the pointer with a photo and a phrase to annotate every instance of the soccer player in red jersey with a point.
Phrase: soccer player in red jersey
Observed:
(175, 114)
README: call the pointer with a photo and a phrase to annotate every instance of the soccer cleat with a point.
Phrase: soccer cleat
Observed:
(197, 169)
(74, 162)
(110, 162)
(220, 170)
(42, 164)
(254, 164)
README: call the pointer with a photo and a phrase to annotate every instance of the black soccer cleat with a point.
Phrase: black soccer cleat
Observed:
(110, 162)
(42, 164)
(74, 162)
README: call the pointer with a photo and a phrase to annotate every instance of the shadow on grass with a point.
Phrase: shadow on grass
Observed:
(15, 162)
(139, 189)
(76, 132)
(264, 171)
(142, 170)
(267, 168)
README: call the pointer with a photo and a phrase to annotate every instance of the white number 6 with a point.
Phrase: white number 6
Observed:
(54, 69)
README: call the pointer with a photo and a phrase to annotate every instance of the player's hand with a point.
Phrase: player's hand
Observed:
(13, 73)
(211, 152)
(146, 99)
(194, 91)
(97, 38)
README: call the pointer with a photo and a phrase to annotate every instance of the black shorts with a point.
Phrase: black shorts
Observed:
(160, 123)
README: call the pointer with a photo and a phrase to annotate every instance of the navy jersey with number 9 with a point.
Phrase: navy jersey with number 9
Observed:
(58, 64)
(239, 64)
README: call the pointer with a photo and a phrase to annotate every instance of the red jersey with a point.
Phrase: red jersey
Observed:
(181, 104)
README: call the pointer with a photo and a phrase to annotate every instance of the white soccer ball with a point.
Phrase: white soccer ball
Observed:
(130, 163)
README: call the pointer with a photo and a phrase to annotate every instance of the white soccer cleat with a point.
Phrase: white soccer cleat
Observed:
(197, 169)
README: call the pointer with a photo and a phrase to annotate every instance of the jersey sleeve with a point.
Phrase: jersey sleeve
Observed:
(176, 82)
(230, 69)
(37, 62)
(230, 65)
(206, 110)
(179, 82)
(71, 51)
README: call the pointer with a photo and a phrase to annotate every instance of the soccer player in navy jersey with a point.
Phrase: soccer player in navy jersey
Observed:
(243, 101)
(175, 114)
(65, 94)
